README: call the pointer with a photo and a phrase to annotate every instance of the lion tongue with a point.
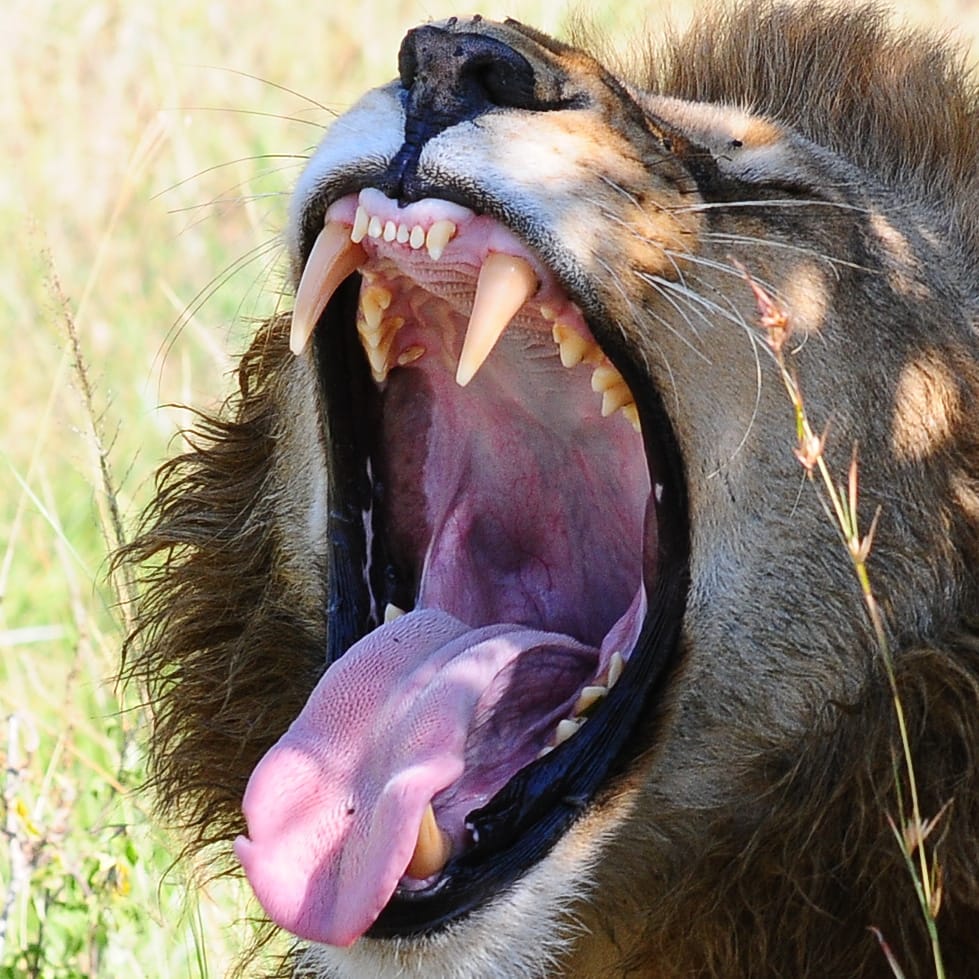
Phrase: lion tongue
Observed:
(333, 809)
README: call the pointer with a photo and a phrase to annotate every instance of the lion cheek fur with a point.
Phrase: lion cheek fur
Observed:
(748, 836)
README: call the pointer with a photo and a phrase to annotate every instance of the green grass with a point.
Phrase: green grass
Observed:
(143, 184)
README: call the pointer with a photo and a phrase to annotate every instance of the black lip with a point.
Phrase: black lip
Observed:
(522, 823)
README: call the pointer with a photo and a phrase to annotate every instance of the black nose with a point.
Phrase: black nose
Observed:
(449, 78)
(452, 78)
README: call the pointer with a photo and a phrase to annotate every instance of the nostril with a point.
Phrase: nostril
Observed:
(459, 76)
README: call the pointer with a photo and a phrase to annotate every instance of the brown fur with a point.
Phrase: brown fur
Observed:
(797, 868)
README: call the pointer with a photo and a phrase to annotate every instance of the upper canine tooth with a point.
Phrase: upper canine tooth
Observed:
(505, 283)
(333, 257)
(439, 235)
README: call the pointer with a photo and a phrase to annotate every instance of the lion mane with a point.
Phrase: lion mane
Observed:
(750, 829)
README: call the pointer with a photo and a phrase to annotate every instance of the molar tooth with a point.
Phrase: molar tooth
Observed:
(417, 237)
(333, 257)
(392, 612)
(377, 345)
(433, 849)
(410, 354)
(604, 377)
(631, 413)
(374, 227)
(588, 697)
(615, 667)
(359, 230)
(374, 300)
(566, 729)
(404, 233)
(572, 346)
(439, 235)
(505, 283)
(614, 398)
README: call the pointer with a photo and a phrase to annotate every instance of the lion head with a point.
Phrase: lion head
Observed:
(497, 621)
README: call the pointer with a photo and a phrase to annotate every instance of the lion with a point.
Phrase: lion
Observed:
(500, 623)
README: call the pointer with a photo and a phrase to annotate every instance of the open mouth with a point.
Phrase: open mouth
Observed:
(507, 539)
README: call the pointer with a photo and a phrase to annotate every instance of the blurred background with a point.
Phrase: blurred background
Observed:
(148, 153)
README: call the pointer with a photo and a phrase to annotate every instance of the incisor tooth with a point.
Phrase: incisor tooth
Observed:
(433, 849)
(404, 233)
(390, 231)
(439, 235)
(417, 237)
(359, 230)
(505, 283)
(333, 258)
(374, 227)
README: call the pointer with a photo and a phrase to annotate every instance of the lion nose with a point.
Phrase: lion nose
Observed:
(455, 77)
(449, 78)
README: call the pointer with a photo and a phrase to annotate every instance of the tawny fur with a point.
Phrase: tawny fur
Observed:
(786, 880)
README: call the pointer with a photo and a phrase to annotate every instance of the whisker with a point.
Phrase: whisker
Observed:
(300, 157)
(270, 84)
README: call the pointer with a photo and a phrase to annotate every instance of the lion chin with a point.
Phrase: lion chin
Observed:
(496, 622)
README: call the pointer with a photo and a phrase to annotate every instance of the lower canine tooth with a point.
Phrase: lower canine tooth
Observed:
(333, 257)
(505, 283)
(433, 849)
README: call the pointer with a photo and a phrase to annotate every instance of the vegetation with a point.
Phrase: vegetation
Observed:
(149, 151)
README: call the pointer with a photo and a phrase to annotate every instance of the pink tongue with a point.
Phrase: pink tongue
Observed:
(333, 809)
